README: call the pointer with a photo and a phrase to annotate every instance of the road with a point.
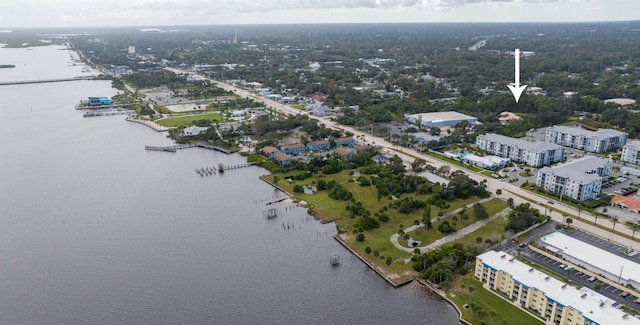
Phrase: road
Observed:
(408, 155)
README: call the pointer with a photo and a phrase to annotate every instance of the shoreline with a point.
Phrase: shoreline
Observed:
(155, 126)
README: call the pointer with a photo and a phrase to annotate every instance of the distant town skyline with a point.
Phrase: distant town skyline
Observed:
(87, 13)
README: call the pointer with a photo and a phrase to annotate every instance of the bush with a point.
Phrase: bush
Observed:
(367, 250)
(360, 237)
(388, 261)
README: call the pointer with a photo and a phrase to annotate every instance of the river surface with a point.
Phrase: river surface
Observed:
(96, 230)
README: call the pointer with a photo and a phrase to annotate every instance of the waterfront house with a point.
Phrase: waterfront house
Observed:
(281, 158)
(269, 151)
(99, 101)
(319, 145)
(346, 141)
(293, 149)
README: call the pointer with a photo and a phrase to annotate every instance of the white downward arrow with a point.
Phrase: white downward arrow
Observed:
(516, 90)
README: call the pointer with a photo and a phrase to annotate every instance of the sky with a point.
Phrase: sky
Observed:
(86, 13)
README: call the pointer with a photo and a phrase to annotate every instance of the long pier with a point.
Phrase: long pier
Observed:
(191, 145)
(24, 82)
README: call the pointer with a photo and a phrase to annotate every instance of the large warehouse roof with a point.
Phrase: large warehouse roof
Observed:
(442, 116)
(593, 255)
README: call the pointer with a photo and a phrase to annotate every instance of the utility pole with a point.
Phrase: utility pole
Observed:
(620, 276)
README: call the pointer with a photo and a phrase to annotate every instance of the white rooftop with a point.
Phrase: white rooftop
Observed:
(592, 305)
(442, 116)
(577, 169)
(600, 134)
(433, 178)
(593, 255)
(537, 146)
(633, 144)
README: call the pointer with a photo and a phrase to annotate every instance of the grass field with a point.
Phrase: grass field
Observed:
(327, 209)
(505, 313)
(185, 120)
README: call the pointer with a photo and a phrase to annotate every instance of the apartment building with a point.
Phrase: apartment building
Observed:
(550, 299)
(580, 179)
(602, 140)
(631, 152)
(536, 154)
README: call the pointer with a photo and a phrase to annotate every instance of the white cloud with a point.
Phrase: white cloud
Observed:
(185, 12)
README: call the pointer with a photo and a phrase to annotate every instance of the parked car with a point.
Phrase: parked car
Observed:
(562, 266)
(625, 294)
(591, 279)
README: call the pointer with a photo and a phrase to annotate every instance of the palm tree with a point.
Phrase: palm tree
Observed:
(491, 314)
(498, 192)
(471, 288)
(614, 220)
(634, 227)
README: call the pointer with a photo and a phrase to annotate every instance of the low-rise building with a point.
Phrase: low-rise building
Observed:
(346, 141)
(580, 179)
(269, 151)
(439, 119)
(319, 145)
(549, 298)
(194, 130)
(293, 149)
(485, 162)
(282, 158)
(593, 141)
(594, 259)
(344, 153)
(536, 154)
(631, 152)
(630, 203)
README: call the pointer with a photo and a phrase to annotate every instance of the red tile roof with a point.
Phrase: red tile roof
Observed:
(629, 202)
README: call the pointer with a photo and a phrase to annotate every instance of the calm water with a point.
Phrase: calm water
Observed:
(96, 230)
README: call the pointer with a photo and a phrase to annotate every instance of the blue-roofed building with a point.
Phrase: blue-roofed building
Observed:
(293, 149)
(99, 101)
(319, 145)
(346, 141)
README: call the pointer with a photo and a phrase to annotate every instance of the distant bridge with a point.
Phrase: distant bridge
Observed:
(24, 82)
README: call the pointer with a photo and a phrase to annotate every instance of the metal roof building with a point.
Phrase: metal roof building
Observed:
(580, 179)
(439, 119)
(593, 141)
(536, 154)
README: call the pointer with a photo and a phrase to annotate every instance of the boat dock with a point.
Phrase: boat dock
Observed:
(6, 83)
(109, 112)
(212, 170)
(193, 145)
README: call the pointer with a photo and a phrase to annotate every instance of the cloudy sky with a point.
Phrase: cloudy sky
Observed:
(46, 13)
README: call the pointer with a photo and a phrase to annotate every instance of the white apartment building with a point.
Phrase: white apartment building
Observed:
(580, 179)
(593, 141)
(549, 298)
(631, 152)
(536, 154)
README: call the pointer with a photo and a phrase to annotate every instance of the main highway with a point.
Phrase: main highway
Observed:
(408, 155)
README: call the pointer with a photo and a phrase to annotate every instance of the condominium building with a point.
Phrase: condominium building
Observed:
(580, 179)
(536, 154)
(550, 299)
(593, 141)
(631, 152)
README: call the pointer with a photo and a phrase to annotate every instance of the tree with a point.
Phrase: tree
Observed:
(471, 288)
(367, 250)
(480, 211)
(298, 188)
(275, 180)
(510, 202)
(491, 314)
(498, 192)
(426, 216)
(388, 261)
(360, 237)
(634, 226)
(446, 228)
(569, 221)
(614, 220)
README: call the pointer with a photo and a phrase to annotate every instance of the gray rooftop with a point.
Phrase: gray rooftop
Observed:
(577, 169)
(443, 116)
(536, 146)
(633, 145)
(601, 133)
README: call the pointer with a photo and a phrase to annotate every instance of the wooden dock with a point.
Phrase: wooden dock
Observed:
(191, 145)
(24, 82)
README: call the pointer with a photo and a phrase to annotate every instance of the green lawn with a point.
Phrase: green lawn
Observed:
(483, 298)
(327, 209)
(185, 120)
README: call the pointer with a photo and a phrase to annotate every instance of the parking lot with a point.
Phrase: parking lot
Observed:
(583, 279)
(603, 244)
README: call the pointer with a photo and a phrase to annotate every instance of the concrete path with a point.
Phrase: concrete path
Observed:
(448, 238)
